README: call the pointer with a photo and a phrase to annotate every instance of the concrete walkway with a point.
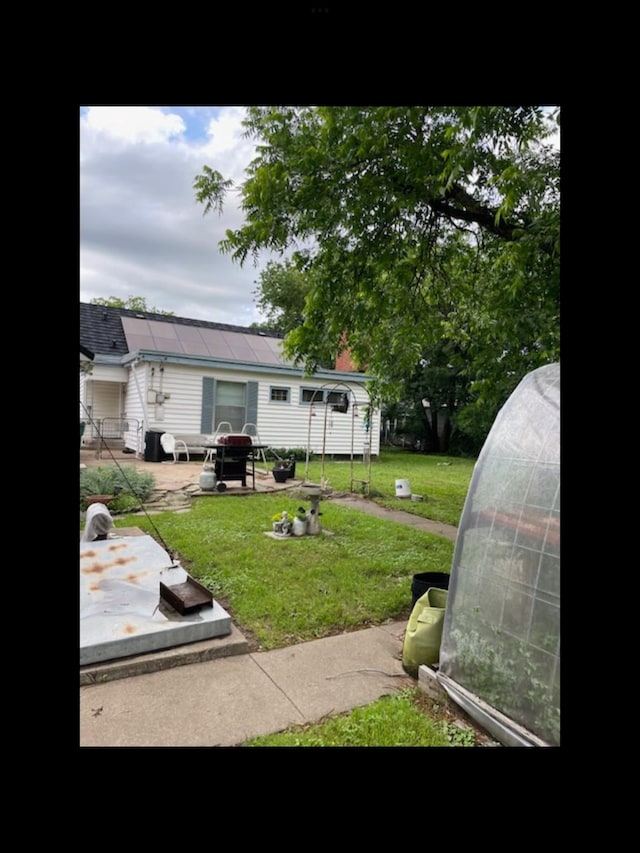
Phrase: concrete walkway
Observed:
(448, 531)
(226, 700)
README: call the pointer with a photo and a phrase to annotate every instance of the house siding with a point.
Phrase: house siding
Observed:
(299, 427)
(153, 385)
(188, 402)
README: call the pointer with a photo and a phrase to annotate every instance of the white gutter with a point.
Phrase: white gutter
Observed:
(143, 403)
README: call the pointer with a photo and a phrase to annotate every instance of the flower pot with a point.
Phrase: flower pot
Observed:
(299, 527)
(424, 581)
(280, 475)
(99, 499)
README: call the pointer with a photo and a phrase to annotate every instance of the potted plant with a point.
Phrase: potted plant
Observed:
(299, 524)
(284, 469)
(280, 474)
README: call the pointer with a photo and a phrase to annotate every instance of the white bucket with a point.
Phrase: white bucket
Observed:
(403, 489)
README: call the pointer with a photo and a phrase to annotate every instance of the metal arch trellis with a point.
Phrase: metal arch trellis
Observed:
(354, 405)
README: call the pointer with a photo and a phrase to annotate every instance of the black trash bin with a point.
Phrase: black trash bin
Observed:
(153, 451)
(422, 582)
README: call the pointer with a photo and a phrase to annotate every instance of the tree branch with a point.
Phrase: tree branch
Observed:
(469, 210)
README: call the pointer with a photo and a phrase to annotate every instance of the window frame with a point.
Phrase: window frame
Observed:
(282, 388)
(326, 396)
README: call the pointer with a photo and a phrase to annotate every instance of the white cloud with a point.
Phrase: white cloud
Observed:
(142, 233)
(134, 124)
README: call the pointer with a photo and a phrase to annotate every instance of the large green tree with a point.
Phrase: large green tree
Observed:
(133, 303)
(281, 296)
(430, 236)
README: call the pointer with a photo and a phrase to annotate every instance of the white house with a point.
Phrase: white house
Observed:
(154, 373)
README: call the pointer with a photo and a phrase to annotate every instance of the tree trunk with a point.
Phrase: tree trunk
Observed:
(445, 437)
(430, 437)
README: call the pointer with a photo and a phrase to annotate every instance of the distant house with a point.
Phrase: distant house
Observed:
(154, 373)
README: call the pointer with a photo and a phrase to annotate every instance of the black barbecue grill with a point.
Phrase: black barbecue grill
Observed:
(235, 459)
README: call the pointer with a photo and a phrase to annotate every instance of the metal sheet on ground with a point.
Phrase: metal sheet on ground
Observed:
(121, 610)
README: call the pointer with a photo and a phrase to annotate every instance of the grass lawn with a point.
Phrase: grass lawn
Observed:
(358, 572)
(407, 718)
(443, 481)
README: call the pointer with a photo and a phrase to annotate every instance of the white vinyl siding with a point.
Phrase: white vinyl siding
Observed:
(281, 425)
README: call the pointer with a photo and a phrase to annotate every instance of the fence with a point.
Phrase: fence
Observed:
(112, 432)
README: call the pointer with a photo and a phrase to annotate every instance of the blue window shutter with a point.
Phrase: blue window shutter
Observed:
(252, 403)
(208, 396)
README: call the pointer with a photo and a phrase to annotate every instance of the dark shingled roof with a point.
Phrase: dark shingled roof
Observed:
(101, 327)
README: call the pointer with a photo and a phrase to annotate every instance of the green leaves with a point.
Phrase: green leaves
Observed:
(422, 225)
(210, 189)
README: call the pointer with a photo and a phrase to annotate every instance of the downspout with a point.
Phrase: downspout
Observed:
(143, 404)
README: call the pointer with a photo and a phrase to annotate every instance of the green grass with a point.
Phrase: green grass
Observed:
(357, 572)
(407, 718)
(443, 481)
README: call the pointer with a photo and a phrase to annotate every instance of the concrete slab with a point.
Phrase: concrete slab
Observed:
(121, 612)
(280, 537)
(337, 673)
(218, 703)
(171, 476)
(205, 650)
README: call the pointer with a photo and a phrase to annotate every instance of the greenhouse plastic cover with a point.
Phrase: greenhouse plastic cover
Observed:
(501, 636)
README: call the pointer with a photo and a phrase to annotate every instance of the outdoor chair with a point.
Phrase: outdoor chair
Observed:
(175, 446)
(252, 430)
(223, 428)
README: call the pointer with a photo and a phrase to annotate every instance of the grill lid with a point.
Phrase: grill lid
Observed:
(235, 440)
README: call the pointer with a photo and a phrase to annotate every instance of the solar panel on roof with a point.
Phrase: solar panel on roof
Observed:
(189, 340)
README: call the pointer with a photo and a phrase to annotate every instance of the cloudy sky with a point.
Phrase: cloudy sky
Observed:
(142, 233)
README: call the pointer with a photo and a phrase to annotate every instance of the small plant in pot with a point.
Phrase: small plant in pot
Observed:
(299, 525)
(283, 469)
(280, 474)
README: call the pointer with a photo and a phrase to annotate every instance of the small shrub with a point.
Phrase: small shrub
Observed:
(298, 453)
(97, 481)
(134, 485)
(124, 502)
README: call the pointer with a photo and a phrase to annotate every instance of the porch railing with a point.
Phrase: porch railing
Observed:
(103, 433)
